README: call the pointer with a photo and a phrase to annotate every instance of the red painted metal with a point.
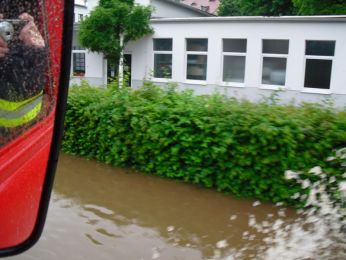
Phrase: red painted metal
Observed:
(23, 161)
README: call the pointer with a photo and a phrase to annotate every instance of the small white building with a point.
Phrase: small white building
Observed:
(92, 66)
(244, 57)
(247, 57)
(86, 65)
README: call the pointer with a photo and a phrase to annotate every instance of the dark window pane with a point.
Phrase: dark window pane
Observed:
(317, 73)
(320, 48)
(234, 69)
(163, 65)
(78, 64)
(275, 46)
(197, 44)
(162, 44)
(274, 71)
(234, 45)
(196, 67)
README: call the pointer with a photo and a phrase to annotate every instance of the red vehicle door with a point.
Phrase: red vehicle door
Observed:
(35, 47)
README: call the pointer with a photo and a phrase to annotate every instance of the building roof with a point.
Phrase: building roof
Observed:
(257, 19)
(209, 6)
(81, 3)
(194, 9)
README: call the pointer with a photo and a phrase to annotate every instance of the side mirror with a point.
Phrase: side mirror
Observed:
(35, 49)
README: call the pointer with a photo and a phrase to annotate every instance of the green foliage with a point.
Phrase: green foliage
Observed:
(234, 146)
(281, 7)
(109, 3)
(228, 8)
(320, 7)
(100, 31)
(256, 7)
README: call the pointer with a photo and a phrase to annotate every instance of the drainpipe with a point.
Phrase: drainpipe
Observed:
(121, 62)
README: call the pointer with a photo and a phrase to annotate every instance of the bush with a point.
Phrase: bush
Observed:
(234, 146)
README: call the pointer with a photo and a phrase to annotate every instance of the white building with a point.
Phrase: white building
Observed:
(92, 66)
(85, 64)
(245, 57)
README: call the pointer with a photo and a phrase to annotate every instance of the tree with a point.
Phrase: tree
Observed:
(281, 7)
(102, 30)
(256, 7)
(228, 8)
(320, 7)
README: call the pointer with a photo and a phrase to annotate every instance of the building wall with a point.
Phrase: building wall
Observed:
(80, 10)
(95, 64)
(296, 32)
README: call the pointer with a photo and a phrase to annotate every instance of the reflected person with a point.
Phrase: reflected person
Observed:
(22, 73)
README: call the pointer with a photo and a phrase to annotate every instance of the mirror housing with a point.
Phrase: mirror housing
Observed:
(28, 161)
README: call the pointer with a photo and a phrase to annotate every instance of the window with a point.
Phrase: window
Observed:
(234, 54)
(197, 56)
(275, 53)
(318, 67)
(75, 42)
(78, 64)
(163, 58)
(78, 57)
(80, 17)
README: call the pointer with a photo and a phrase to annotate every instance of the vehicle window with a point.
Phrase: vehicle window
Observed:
(25, 84)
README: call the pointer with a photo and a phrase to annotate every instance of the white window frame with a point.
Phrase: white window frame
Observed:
(204, 53)
(239, 54)
(162, 52)
(317, 57)
(272, 55)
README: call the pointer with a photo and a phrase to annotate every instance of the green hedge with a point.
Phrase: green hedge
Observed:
(234, 146)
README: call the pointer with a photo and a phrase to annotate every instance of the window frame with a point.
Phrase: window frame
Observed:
(238, 54)
(73, 64)
(162, 52)
(317, 57)
(80, 17)
(273, 55)
(202, 53)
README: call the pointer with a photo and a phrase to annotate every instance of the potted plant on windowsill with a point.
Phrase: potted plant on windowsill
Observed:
(78, 73)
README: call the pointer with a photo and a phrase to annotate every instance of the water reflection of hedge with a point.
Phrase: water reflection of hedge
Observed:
(234, 146)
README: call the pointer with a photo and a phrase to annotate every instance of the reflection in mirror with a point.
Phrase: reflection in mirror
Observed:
(25, 85)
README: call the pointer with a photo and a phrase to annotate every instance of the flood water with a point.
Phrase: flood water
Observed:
(100, 212)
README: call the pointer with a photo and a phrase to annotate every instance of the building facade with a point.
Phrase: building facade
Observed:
(247, 57)
(93, 67)
(300, 58)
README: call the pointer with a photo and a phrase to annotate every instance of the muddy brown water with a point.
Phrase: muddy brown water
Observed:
(101, 212)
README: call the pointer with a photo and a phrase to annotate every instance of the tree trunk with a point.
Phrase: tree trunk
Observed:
(121, 62)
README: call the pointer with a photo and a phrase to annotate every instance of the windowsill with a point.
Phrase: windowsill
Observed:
(316, 91)
(161, 80)
(272, 87)
(196, 82)
(76, 76)
(232, 84)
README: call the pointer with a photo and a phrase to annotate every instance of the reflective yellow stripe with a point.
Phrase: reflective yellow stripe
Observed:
(14, 122)
(11, 105)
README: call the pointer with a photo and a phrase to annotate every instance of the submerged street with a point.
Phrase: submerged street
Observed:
(101, 212)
